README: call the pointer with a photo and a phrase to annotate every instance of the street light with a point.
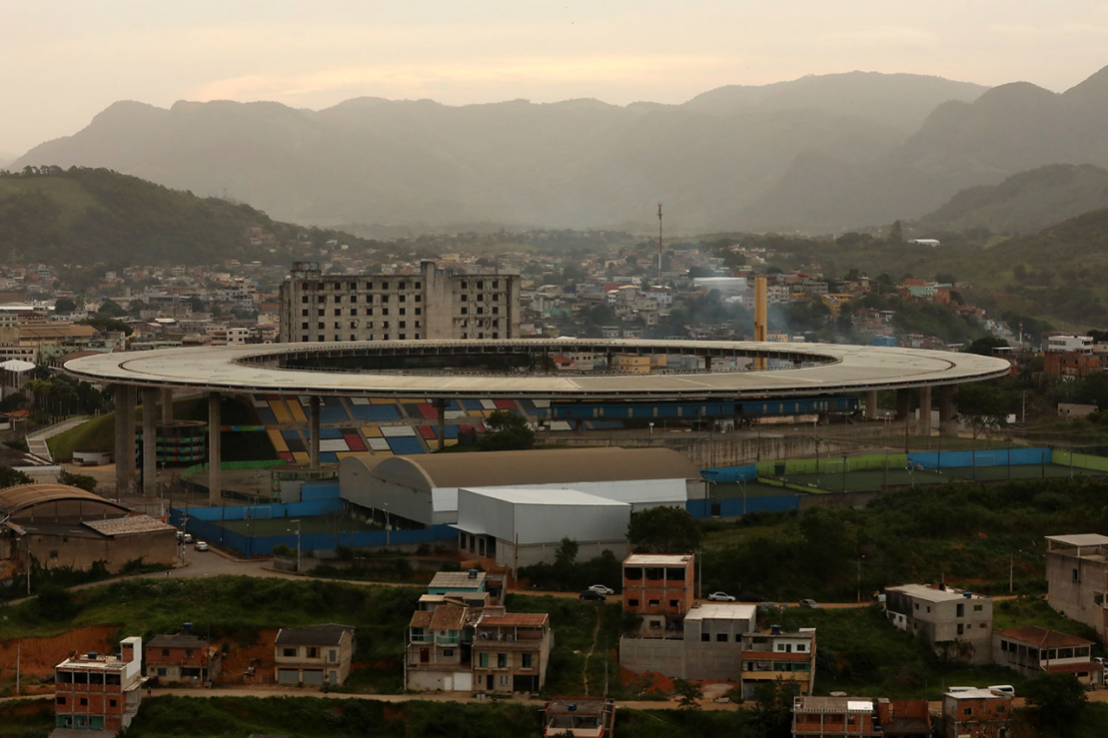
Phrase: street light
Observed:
(651, 424)
(388, 537)
(297, 522)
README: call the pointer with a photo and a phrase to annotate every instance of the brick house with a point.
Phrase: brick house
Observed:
(99, 692)
(181, 658)
(977, 713)
(658, 587)
(820, 716)
(510, 652)
(319, 654)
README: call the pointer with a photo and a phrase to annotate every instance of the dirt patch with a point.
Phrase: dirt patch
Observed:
(394, 712)
(38, 655)
(649, 682)
(238, 660)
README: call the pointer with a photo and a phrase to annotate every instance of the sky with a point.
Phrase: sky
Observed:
(62, 62)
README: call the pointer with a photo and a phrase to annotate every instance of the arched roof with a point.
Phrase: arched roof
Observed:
(534, 466)
(21, 497)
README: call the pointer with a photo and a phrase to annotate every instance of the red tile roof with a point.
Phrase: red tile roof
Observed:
(1075, 667)
(1043, 638)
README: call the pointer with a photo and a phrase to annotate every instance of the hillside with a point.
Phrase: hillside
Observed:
(88, 215)
(1025, 202)
(1009, 129)
(577, 163)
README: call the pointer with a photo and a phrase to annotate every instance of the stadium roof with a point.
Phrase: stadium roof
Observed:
(824, 369)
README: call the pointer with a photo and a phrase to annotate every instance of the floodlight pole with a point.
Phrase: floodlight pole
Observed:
(297, 522)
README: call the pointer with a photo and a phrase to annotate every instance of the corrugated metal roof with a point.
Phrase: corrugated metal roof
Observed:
(540, 496)
(502, 469)
(517, 619)
(320, 635)
(657, 560)
(18, 497)
(457, 580)
(1080, 540)
(168, 641)
(140, 524)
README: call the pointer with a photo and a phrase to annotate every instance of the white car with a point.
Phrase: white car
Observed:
(201, 546)
(602, 589)
(721, 596)
(188, 538)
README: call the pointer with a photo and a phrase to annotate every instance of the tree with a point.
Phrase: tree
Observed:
(64, 305)
(896, 233)
(85, 482)
(688, 693)
(985, 407)
(984, 346)
(510, 431)
(566, 554)
(772, 714)
(664, 530)
(1059, 701)
(111, 309)
(10, 477)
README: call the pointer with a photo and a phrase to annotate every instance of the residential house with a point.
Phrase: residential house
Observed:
(99, 692)
(319, 654)
(1077, 578)
(182, 658)
(1034, 650)
(826, 716)
(583, 717)
(511, 651)
(710, 646)
(659, 587)
(957, 622)
(979, 712)
(779, 655)
(440, 648)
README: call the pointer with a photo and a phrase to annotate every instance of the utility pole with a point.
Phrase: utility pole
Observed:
(18, 655)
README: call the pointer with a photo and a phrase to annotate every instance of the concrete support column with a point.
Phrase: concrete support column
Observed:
(440, 406)
(579, 425)
(149, 441)
(124, 438)
(923, 428)
(903, 404)
(707, 364)
(947, 425)
(167, 406)
(215, 450)
(871, 405)
(313, 452)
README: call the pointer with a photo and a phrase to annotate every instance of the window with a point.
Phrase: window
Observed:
(60, 700)
(464, 310)
(654, 604)
(418, 285)
(313, 652)
(165, 652)
(384, 311)
(80, 678)
(465, 298)
(403, 311)
(495, 310)
(501, 660)
(338, 311)
(1075, 575)
(978, 608)
(505, 679)
(917, 606)
(480, 310)
(419, 311)
(483, 659)
(353, 298)
(384, 286)
(304, 299)
(338, 299)
(112, 703)
(480, 285)
(633, 602)
(53, 554)
(321, 325)
(84, 701)
(288, 652)
(526, 660)
(705, 636)
(188, 654)
(304, 312)
(802, 647)
(465, 286)
(967, 711)
(112, 678)
(960, 610)
(961, 629)
(322, 312)
(675, 604)
(403, 298)
(721, 637)
(448, 653)
(419, 298)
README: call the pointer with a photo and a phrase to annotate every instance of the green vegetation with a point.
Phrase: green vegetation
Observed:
(664, 530)
(566, 573)
(971, 534)
(80, 215)
(508, 431)
(94, 435)
(31, 717)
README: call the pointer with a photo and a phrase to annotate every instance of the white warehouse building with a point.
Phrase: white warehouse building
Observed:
(525, 526)
(423, 488)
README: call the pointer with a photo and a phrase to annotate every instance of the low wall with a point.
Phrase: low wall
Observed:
(992, 458)
(679, 658)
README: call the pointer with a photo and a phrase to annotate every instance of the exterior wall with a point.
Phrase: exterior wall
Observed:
(1074, 584)
(327, 659)
(180, 664)
(834, 723)
(681, 658)
(718, 630)
(654, 591)
(79, 552)
(487, 662)
(1031, 661)
(986, 717)
(434, 304)
(508, 555)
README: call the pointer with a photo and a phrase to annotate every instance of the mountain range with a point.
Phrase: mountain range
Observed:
(815, 154)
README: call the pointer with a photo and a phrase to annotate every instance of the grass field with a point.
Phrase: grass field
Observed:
(864, 481)
(308, 525)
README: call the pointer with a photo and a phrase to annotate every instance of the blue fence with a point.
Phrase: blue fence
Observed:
(731, 474)
(989, 458)
(739, 506)
(251, 546)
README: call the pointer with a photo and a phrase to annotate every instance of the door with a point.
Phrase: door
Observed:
(463, 681)
(424, 655)
(488, 682)
(448, 683)
(333, 677)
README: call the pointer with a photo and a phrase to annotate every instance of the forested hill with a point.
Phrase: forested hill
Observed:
(82, 216)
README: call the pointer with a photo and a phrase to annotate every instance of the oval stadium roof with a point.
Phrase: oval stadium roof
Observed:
(21, 497)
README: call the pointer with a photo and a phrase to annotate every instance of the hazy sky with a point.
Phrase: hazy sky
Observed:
(63, 62)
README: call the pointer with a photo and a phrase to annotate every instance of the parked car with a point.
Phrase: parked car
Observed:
(722, 596)
(749, 596)
(808, 603)
(201, 546)
(188, 538)
(1006, 689)
(767, 605)
(591, 595)
(602, 589)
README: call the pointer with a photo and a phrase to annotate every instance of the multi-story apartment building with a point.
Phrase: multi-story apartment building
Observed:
(99, 692)
(946, 618)
(1034, 650)
(319, 654)
(1077, 578)
(181, 658)
(827, 716)
(433, 304)
(979, 712)
(779, 655)
(658, 587)
(457, 644)
(510, 652)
